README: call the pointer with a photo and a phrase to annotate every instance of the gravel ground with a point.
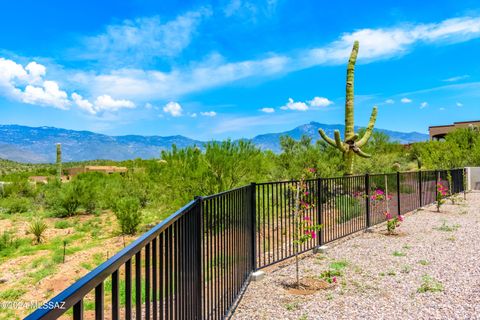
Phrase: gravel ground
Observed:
(383, 273)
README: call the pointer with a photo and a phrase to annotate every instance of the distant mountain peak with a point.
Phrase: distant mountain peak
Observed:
(37, 144)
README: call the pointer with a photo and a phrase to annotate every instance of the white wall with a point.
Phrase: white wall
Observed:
(473, 178)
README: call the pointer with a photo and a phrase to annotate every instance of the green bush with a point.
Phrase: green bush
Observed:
(349, 208)
(127, 211)
(64, 200)
(19, 188)
(62, 224)
(15, 204)
(8, 240)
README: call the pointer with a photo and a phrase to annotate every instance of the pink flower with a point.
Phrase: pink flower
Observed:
(334, 279)
(313, 234)
(388, 216)
(400, 218)
(306, 218)
(307, 193)
(312, 170)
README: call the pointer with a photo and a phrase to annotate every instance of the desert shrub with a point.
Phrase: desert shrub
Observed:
(37, 228)
(62, 224)
(64, 201)
(127, 211)
(8, 240)
(19, 188)
(15, 204)
(88, 196)
(348, 206)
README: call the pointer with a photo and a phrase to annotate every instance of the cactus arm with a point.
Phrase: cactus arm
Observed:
(361, 153)
(349, 119)
(338, 141)
(326, 138)
(369, 130)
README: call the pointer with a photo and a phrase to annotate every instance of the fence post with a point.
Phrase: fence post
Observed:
(199, 240)
(253, 231)
(367, 199)
(420, 187)
(398, 192)
(319, 212)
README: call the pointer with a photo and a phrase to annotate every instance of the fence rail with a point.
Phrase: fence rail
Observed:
(195, 264)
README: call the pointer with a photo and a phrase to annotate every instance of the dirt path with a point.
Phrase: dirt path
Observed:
(430, 271)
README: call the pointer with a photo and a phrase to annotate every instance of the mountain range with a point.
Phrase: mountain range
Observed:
(37, 145)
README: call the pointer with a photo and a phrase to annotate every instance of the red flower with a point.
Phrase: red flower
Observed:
(334, 279)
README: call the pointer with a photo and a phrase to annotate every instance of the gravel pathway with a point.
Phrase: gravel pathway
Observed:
(437, 251)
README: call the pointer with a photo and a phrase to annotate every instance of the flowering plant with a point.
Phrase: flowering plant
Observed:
(378, 195)
(442, 192)
(305, 228)
(393, 222)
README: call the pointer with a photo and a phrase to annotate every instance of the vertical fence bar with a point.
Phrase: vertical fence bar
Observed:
(253, 231)
(319, 212)
(138, 286)
(78, 310)
(420, 196)
(115, 296)
(147, 281)
(154, 274)
(198, 277)
(398, 193)
(367, 199)
(128, 289)
(99, 302)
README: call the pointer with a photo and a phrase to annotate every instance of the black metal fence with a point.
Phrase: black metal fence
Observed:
(195, 264)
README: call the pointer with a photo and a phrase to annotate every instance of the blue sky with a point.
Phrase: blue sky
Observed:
(236, 68)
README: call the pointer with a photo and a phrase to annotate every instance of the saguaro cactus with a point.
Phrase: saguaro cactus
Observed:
(59, 161)
(351, 144)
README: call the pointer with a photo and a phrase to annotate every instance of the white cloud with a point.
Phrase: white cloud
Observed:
(208, 114)
(456, 78)
(101, 104)
(36, 71)
(459, 104)
(106, 102)
(173, 108)
(292, 105)
(423, 105)
(48, 94)
(14, 77)
(267, 110)
(406, 100)
(441, 109)
(319, 102)
(144, 39)
(193, 115)
(389, 101)
(83, 103)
